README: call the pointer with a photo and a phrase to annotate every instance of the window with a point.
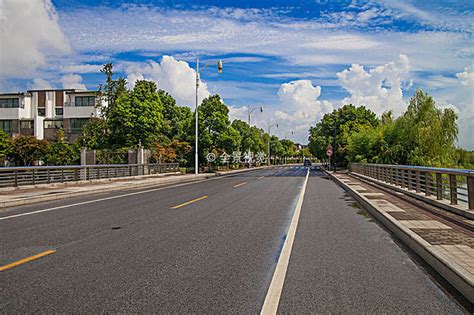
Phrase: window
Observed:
(26, 124)
(53, 124)
(6, 126)
(78, 123)
(42, 111)
(9, 103)
(59, 111)
(85, 101)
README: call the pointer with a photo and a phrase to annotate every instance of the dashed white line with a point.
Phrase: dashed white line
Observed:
(241, 184)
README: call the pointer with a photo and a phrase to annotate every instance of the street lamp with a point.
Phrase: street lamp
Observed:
(269, 140)
(198, 78)
(250, 110)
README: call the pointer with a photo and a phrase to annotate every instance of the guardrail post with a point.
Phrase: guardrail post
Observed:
(410, 179)
(88, 176)
(33, 176)
(76, 174)
(453, 192)
(62, 175)
(439, 186)
(418, 181)
(470, 192)
(49, 176)
(427, 184)
(16, 178)
(402, 178)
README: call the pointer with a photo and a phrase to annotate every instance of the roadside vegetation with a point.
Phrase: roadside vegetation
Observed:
(424, 135)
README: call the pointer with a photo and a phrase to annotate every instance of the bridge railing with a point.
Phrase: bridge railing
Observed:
(455, 185)
(20, 176)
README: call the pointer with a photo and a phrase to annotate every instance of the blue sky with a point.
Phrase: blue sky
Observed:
(299, 60)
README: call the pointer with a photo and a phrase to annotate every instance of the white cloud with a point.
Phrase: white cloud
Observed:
(302, 108)
(175, 77)
(73, 81)
(29, 33)
(380, 88)
(40, 84)
(83, 68)
(464, 100)
(299, 108)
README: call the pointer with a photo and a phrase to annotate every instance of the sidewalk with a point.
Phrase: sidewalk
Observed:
(13, 197)
(446, 243)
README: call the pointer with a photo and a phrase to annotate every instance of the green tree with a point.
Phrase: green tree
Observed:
(252, 137)
(136, 116)
(5, 144)
(336, 127)
(60, 152)
(215, 130)
(423, 135)
(94, 135)
(26, 150)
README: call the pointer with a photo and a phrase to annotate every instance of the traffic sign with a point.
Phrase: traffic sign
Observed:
(329, 150)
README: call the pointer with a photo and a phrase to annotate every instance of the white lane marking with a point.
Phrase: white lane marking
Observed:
(272, 299)
(241, 184)
(109, 198)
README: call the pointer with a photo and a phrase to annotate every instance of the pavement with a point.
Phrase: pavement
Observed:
(210, 246)
(446, 239)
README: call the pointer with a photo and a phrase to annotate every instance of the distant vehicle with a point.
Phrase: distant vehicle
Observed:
(307, 163)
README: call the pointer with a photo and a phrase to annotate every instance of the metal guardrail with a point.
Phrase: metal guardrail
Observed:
(455, 185)
(20, 176)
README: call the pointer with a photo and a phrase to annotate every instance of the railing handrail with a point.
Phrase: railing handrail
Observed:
(59, 167)
(453, 171)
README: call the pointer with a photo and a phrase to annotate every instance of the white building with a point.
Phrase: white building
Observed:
(42, 112)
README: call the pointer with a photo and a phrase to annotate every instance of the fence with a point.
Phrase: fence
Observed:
(20, 176)
(455, 185)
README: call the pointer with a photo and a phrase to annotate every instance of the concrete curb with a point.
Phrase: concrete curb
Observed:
(456, 275)
(443, 205)
(166, 180)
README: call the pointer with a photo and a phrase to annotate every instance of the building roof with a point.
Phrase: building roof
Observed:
(15, 94)
(51, 90)
(81, 92)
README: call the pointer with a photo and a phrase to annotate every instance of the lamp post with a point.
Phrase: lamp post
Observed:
(269, 140)
(198, 78)
(250, 110)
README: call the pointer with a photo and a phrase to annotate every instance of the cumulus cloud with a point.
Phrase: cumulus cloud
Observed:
(73, 81)
(380, 88)
(29, 33)
(82, 68)
(464, 99)
(302, 108)
(175, 77)
(40, 84)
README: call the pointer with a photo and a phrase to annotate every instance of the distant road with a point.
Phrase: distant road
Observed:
(209, 247)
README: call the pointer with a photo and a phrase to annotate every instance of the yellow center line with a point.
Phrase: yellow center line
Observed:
(241, 184)
(188, 202)
(25, 260)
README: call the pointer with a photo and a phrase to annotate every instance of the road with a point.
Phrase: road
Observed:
(211, 247)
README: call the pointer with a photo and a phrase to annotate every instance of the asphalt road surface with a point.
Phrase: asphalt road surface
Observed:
(210, 247)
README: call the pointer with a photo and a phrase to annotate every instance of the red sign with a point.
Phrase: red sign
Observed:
(329, 152)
